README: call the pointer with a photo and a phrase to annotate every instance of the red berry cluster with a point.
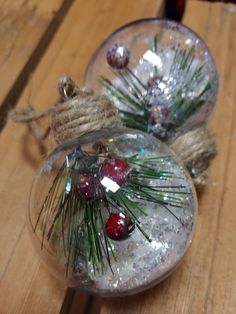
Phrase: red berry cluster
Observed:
(89, 185)
(118, 226)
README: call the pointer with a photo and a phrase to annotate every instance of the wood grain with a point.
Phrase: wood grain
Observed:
(25, 285)
(206, 280)
(22, 24)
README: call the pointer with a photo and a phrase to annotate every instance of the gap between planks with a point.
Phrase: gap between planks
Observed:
(10, 100)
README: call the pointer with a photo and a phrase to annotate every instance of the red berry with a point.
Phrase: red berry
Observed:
(118, 56)
(89, 187)
(116, 169)
(154, 81)
(159, 113)
(118, 226)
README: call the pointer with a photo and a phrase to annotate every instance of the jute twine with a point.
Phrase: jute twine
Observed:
(80, 110)
(196, 149)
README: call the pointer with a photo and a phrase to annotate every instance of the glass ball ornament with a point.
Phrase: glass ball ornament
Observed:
(163, 66)
(112, 212)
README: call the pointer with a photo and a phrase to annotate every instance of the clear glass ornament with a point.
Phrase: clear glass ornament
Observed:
(113, 212)
(170, 67)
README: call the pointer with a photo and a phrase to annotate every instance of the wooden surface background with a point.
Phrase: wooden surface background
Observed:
(42, 40)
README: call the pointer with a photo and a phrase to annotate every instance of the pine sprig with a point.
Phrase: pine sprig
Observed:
(129, 90)
(133, 102)
(75, 226)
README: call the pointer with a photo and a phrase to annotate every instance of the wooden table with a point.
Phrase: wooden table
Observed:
(42, 40)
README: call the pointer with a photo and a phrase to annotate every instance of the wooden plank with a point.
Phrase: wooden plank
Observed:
(25, 286)
(206, 280)
(22, 24)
